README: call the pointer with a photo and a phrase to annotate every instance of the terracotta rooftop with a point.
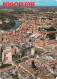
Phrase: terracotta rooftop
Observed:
(24, 73)
(51, 63)
(29, 67)
(7, 68)
(43, 76)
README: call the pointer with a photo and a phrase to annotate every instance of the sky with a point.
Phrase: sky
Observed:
(37, 2)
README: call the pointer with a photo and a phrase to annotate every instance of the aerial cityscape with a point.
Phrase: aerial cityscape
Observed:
(28, 42)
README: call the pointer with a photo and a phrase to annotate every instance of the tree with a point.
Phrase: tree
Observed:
(51, 36)
(15, 76)
(51, 29)
(33, 64)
